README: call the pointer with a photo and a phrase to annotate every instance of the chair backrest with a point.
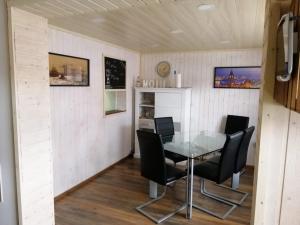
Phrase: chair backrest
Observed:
(165, 127)
(236, 123)
(241, 157)
(153, 165)
(228, 156)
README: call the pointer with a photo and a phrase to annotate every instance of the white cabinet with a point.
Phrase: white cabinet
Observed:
(167, 99)
(168, 111)
(161, 102)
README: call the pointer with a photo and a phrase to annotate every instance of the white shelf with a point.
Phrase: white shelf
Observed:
(145, 105)
(114, 90)
(143, 119)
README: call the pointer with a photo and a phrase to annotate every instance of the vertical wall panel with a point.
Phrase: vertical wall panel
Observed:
(210, 106)
(272, 133)
(290, 210)
(30, 89)
(84, 140)
(8, 207)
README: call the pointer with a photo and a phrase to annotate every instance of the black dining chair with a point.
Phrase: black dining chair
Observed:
(154, 167)
(236, 123)
(241, 158)
(219, 172)
(240, 163)
(165, 127)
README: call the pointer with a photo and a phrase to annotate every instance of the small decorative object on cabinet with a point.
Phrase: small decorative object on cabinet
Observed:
(138, 82)
(178, 80)
(115, 85)
(161, 102)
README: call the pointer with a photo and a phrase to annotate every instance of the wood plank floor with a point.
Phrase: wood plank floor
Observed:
(112, 197)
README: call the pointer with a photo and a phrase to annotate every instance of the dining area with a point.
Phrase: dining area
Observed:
(215, 159)
(175, 112)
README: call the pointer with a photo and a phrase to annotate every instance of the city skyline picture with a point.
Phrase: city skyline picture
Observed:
(237, 77)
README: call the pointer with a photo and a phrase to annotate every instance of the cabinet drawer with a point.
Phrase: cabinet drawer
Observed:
(168, 100)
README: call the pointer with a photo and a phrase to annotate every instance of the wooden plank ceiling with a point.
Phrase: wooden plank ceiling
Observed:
(158, 25)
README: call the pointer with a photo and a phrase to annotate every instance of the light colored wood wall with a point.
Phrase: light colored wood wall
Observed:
(272, 135)
(276, 194)
(210, 106)
(290, 209)
(84, 141)
(30, 90)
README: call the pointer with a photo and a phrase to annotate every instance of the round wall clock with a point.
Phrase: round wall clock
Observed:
(163, 69)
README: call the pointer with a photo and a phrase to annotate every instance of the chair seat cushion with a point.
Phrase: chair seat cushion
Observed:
(174, 173)
(174, 157)
(207, 170)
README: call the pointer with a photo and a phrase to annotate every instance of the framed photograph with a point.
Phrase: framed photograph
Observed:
(238, 77)
(67, 70)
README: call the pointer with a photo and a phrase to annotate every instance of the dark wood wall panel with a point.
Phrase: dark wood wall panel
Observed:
(287, 93)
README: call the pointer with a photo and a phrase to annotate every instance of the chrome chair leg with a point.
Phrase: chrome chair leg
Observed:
(243, 171)
(235, 181)
(153, 186)
(205, 193)
(237, 202)
(148, 215)
(233, 189)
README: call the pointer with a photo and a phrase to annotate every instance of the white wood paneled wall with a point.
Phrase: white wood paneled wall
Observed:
(31, 97)
(210, 106)
(84, 141)
(290, 210)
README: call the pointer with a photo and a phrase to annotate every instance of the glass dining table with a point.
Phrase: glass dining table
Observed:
(192, 145)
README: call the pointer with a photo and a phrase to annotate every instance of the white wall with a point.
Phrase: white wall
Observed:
(84, 141)
(210, 106)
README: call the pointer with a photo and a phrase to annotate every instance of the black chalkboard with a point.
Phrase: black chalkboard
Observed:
(115, 73)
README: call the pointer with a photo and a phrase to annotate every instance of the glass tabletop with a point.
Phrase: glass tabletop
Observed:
(195, 144)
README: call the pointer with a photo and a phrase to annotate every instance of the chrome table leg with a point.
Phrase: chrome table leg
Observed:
(189, 180)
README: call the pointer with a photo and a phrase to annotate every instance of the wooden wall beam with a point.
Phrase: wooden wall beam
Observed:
(31, 106)
(271, 133)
